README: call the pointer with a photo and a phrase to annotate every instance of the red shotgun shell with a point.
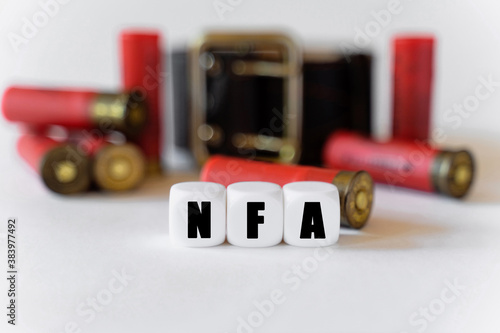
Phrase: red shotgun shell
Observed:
(62, 167)
(402, 163)
(355, 188)
(412, 87)
(115, 167)
(142, 73)
(74, 109)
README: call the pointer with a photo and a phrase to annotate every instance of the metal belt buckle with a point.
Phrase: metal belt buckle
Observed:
(246, 96)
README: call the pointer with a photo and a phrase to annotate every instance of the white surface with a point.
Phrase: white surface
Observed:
(373, 280)
(211, 201)
(270, 226)
(295, 196)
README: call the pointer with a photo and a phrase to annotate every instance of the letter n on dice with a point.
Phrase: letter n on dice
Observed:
(197, 214)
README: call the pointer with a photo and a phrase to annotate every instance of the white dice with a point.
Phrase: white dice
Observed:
(312, 214)
(197, 214)
(255, 210)
(259, 214)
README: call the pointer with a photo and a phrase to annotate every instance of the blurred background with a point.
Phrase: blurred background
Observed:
(414, 247)
(78, 47)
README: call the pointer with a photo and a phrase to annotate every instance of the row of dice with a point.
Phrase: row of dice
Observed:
(254, 214)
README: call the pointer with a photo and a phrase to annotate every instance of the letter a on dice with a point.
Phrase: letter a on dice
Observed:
(197, 214)
(312, 214)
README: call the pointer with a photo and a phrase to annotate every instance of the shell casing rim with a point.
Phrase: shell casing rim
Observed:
(106, 155)
(443, 173)
(81, 181)
(350, 184)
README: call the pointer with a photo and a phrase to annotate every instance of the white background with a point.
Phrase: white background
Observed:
(373, 281)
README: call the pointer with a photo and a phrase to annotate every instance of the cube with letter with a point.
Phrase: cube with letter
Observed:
(197, 214)
(254, 214)
(312, 214)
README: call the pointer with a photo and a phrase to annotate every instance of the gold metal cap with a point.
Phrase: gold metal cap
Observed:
(356, 197)
(453, 173)
(121, 111)
(119, 167)
(66, 171)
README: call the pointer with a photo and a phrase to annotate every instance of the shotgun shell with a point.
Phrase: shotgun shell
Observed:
(142, 73)
(74, 109)
(116, 167)
(412, 85)
(403, 163)
(62, 167)
(355, 188)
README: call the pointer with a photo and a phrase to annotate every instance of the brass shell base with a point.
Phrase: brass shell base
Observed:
(453, 173)
(64, 170)
(118, 167)
(356, 197)
(121, 112)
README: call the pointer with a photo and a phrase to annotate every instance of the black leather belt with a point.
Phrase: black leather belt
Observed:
(260, 96)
